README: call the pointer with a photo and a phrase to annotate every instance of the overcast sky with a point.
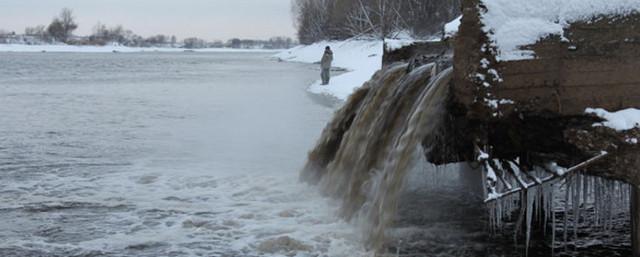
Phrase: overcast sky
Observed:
(208, 19)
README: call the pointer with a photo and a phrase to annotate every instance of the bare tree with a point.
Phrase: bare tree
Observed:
(38, 31)
(379, 18)
(359, 20)
(100, 31)
(62, 26)
(102, 35)
(339, 19)
(194, 43)
(313, 18)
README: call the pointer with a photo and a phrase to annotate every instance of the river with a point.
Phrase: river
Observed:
(161, 154)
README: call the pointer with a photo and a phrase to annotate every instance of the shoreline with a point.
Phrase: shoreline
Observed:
(18, 48)
(355, 62)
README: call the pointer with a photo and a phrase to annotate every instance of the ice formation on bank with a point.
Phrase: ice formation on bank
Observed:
(578, 203)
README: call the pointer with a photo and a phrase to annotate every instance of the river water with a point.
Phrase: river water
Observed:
(161, 154)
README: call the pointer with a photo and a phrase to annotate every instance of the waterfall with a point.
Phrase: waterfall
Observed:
(363, 155)
(386, 129)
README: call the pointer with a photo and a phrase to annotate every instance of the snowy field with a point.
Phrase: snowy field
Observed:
(111, 49)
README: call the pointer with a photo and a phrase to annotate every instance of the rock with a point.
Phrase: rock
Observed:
(194, 223)
(289, 214)
(248, 216)
(147, 179)
(283, 245)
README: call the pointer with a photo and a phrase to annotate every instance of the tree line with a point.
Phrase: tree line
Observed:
(272, 43)
(341, 19)
(61, 29)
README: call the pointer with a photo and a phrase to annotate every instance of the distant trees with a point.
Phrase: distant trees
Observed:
(234, 43)
(217, 44)
(237, 43)
(312, 19)
(102, 35)
(38, 31)
(158, 40)
(174, 40)
(279, 43)
(339, 19)
(377, 17)
(62, 26)
(194, 42)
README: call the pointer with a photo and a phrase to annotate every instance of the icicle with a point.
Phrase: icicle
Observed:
(531, 197)
(518, 176)
(538, 203)
(484, 184)
(553, 223)
(610, 203)
(492, 182)
(585, 190)
(596, 201)
(566, 212)
(491, 208)
(521, 215)
(547, 201)
(592, 201)
(500, 213)
(575, 201)
(605, 204)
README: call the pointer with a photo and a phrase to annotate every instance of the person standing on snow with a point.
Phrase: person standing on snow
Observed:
(325, 64)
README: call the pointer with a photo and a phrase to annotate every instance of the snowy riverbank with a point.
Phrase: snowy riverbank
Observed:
(111, 49)
(361, 58)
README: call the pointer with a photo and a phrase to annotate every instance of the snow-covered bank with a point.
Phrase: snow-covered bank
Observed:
(621, 120)
(362, 58)
(110, 49)
(451, 28)
(512, 24)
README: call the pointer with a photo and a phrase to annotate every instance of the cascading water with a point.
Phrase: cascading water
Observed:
(367, 153)
(363, 155)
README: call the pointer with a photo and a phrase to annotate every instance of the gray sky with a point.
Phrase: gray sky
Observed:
(208, 19)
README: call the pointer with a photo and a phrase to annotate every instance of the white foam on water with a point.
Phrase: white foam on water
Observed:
(204, 164)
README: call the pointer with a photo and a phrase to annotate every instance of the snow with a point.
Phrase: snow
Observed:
(361, 59)
(404, 38)
(483, 156)
(621, 120)
(451, 28)
(395, 44)
(511, 24)
(110, 49)
(559, 171)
